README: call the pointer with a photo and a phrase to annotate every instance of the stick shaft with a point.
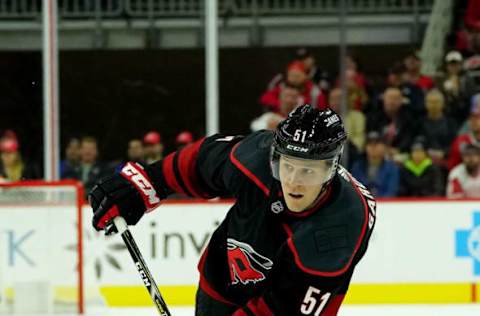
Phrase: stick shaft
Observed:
(142, 268)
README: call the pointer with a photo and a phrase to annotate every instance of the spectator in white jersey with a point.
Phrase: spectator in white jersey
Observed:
(464, 179)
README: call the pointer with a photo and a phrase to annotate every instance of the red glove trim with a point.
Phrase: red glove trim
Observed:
(108, 216)
(135, 174)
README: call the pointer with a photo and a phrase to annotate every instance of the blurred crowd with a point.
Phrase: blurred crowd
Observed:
(412, 135)
(82, 159)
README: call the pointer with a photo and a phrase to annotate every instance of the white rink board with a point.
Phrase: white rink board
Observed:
(38, 241)
(413, 242)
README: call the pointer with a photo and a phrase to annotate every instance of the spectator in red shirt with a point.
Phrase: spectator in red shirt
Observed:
(413, 63)
(473, 137)
(472, 15)
(352, 65)
(289, 100)
(296, 77)
(320, 77)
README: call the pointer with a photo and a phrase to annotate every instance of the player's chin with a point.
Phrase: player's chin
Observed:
(295, 205)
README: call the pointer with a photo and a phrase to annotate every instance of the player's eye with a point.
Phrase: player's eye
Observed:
(288, 167)
(308, 171)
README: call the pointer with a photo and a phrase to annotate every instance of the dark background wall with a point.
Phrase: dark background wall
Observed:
(119, 95)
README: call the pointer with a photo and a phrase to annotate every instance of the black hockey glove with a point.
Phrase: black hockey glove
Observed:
(129, 194)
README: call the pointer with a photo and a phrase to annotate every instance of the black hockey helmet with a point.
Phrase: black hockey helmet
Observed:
(309, 134)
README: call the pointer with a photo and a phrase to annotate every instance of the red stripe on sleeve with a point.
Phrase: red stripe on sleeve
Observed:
(247, 172)
(169, 174)
(187, 161)
(334, 305)
(259, 307)
(239, 312)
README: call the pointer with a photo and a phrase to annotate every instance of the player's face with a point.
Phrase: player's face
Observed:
(302, 180)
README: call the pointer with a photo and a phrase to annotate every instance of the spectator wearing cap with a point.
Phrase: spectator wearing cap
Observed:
(153, 147)
(375, 170)
(438, 129)
(419, 177)
(396, 122)
(470, 137)
(90, 170)
(289, 100)
(298, 78)
(13, 167)
(135, 153)
(183, 139)
(413, 64)
(456, 87)
(72, 156)
(464, 179)
(319, 77)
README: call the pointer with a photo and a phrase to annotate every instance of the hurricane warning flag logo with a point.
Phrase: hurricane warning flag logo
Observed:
(245, 263)
(468, 243)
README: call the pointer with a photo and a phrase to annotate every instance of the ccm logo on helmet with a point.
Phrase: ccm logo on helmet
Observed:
(133, 173)
(297, 148)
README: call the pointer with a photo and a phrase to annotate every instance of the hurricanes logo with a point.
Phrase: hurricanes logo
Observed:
(243, 260)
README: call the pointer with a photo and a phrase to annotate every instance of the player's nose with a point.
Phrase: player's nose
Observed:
(294, 178)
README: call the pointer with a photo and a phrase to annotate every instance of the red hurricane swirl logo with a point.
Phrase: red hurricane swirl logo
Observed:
(241, 260)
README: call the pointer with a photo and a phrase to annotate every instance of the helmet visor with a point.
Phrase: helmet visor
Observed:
(300, 171)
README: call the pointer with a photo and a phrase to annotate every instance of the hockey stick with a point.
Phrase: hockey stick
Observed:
(141, 266)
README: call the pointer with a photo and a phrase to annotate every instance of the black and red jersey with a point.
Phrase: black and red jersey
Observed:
(264, 259)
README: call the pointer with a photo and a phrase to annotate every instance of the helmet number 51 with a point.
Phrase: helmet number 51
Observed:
(313, 302)
(299, 135)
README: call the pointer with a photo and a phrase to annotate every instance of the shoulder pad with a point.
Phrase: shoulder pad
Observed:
(326, 243)
(252, 157)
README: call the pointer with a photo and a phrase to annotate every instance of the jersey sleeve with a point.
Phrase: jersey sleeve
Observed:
(202, 169)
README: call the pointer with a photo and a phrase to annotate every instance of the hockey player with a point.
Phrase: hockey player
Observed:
(299, 225)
